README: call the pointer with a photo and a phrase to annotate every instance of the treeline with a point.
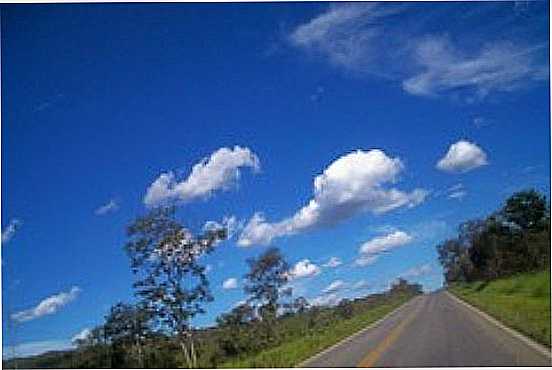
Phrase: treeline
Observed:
(172, 288)
(513, 239)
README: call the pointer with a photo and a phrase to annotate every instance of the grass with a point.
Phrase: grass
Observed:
(521, 302)
(294, 352)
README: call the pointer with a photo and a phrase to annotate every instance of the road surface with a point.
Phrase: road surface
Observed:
(431, 330)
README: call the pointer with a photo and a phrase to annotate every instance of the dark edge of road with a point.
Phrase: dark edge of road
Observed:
(512, 332)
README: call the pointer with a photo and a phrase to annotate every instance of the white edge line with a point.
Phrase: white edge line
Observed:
(514, 333)
(354, 335)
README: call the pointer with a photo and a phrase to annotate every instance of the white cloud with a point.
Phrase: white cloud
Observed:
(325, 300)
(47, 306)
(344, 34)
(459, 194)
(385, 243)
(334, 287)
(369, 251)
(498, 67)
(352, 184)
(111, 206)
(417, 271)
(367, 39)
(365, 260)
(82, 335)
(9, 231)
(462, 156)
(218, 172)
(229, 223)
(361, 285)
(231, 283)
(333, 262)
(304, 268)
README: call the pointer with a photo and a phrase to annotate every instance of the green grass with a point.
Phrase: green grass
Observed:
(294, 352)
(521, 302)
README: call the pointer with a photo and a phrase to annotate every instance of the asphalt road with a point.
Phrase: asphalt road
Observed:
(431, 330)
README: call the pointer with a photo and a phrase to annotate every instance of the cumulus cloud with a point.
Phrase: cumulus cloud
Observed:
(218, 172)
(334, 287)
(47, 306)
(370, 250)
(333, 262)
(231, 283)
(82, 335)
(354, 183)
(367, 39)
(462, 156)
(303, 268)
(9, 231)
(111, 206)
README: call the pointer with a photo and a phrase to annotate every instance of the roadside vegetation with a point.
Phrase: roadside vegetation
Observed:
(327, 327)
(522, 302)
(272, 327)
(501, 264)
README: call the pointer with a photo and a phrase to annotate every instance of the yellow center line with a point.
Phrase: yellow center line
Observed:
(373, 356)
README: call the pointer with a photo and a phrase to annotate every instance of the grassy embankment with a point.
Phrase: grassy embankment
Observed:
(521, 302)
(294, 352)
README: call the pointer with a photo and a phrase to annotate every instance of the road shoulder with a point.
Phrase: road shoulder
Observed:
(512, 332)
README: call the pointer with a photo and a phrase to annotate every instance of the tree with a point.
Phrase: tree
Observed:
(301, 305)
(527, 209)
(265, 281)
(455, 260)
(170, 280)
(235, 337)
(127, 327)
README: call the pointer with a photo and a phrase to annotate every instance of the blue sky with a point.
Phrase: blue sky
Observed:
(360, 134)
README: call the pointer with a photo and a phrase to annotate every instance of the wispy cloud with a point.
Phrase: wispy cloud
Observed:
(35, 348)
(497, 67)
(334, 287)
(369, 251)
(354, 183)
(389, 40)
(361, 285)
(325, 300)
(231, 283)
(218, 172)
(47, 306)
(110, 206)
(333, 262)
(417, 271)
(9, 231)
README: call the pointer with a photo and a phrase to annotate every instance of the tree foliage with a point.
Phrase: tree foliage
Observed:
(170, 280)
(514, 239)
